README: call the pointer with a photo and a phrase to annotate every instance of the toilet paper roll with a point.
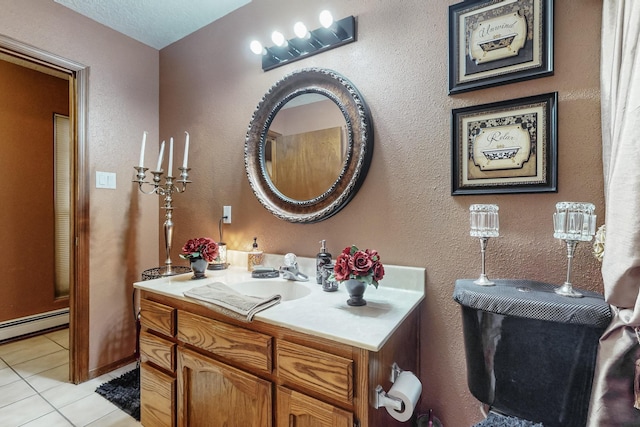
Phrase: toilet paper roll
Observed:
(407, 388)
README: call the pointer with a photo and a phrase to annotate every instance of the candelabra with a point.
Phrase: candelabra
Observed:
(573, 222)
(166, 190)
(484, 224)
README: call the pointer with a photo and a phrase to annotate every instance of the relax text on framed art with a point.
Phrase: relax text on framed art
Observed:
(493, 42)
(505, 147)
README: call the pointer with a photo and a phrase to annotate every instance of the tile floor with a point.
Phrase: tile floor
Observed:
(35, 391)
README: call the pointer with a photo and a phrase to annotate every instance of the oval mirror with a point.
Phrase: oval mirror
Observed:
(309, 145)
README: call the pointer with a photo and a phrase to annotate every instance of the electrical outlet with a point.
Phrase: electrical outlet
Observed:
(226, 213)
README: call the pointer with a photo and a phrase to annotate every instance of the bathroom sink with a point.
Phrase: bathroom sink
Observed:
(287, 289)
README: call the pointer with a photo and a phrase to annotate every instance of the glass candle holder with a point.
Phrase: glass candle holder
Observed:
(220, 263)
(573, 222)
(484, 224)
(328, 284)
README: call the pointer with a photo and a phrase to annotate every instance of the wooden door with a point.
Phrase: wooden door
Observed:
(298, 410)
(211, 393)
(29, 100)
(306, 165)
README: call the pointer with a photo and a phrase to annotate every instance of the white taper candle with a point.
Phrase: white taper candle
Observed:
(185, 159)
(160, 158)
(170, 167)
(144, 143)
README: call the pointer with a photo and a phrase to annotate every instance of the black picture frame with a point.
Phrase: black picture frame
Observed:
(505, 147)
(493, 42)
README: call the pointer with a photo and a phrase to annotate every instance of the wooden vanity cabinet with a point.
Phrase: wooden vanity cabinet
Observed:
(158, 368)
(254, 374)
(211, 393)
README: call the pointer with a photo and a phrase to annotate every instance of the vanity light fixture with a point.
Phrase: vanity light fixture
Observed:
(300, 30)
(303, 33)
(331, 34)
(278, 38)
(326, 19)
(256, 47)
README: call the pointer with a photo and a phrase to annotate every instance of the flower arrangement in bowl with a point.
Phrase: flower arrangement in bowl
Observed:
(200, 251)
(357, 269)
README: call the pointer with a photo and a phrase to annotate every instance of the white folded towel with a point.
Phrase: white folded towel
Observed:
(220, 297)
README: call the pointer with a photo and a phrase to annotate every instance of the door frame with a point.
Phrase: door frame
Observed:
(79, 289)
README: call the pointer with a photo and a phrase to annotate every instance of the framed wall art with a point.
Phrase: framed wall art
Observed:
(493, 42)
(505, 147)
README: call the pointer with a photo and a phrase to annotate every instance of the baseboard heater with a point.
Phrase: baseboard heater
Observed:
(30, 324)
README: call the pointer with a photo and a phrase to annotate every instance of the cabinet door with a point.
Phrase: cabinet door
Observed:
(211, 393)
(157, 391)
(298, 410)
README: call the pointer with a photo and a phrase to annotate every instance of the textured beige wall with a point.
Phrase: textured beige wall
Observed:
(210, 84)
(123, 101)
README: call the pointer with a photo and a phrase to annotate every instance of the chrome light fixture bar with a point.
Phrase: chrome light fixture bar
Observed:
(306, 43)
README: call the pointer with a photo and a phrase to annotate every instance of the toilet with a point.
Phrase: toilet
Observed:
(530, 352)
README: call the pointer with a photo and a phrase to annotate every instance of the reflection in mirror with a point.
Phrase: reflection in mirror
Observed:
(309, 145)
(305, 147)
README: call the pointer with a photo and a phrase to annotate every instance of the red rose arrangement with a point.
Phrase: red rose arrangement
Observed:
(200, 247)
(364, 266)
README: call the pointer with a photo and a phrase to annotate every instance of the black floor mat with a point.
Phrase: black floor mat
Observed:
(124, 392)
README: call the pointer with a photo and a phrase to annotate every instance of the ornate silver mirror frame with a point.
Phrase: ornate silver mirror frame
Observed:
(359, 145)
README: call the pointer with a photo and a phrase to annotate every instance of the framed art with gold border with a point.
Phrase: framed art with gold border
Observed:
(505, 147)
(493, 42)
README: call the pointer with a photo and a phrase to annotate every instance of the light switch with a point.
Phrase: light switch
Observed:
(106, 180)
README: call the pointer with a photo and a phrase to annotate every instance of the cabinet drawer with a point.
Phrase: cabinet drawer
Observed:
(315, 370)
(158, 351)
(232, 342)
(158, 317)
(157, 398)
(293, 408)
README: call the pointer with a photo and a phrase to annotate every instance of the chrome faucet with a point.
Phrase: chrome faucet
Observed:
(290, 270)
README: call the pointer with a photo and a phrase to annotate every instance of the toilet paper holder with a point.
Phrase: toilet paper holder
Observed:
(382, 399)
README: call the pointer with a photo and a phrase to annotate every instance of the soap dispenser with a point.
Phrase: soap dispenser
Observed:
(255, 256)
(322, 258)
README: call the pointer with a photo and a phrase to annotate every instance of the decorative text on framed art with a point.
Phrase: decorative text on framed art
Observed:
(492, 42)
(505, 147)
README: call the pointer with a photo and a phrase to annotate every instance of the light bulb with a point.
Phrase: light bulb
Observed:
(326, 19)
(278, 38)
(256, 47)
(300, 30)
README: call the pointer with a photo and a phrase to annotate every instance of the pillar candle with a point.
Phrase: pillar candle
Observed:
(170, 168)
(144, 143)
(185, 159)
(160, 158)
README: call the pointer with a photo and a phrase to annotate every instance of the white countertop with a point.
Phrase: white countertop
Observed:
(322, 314)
